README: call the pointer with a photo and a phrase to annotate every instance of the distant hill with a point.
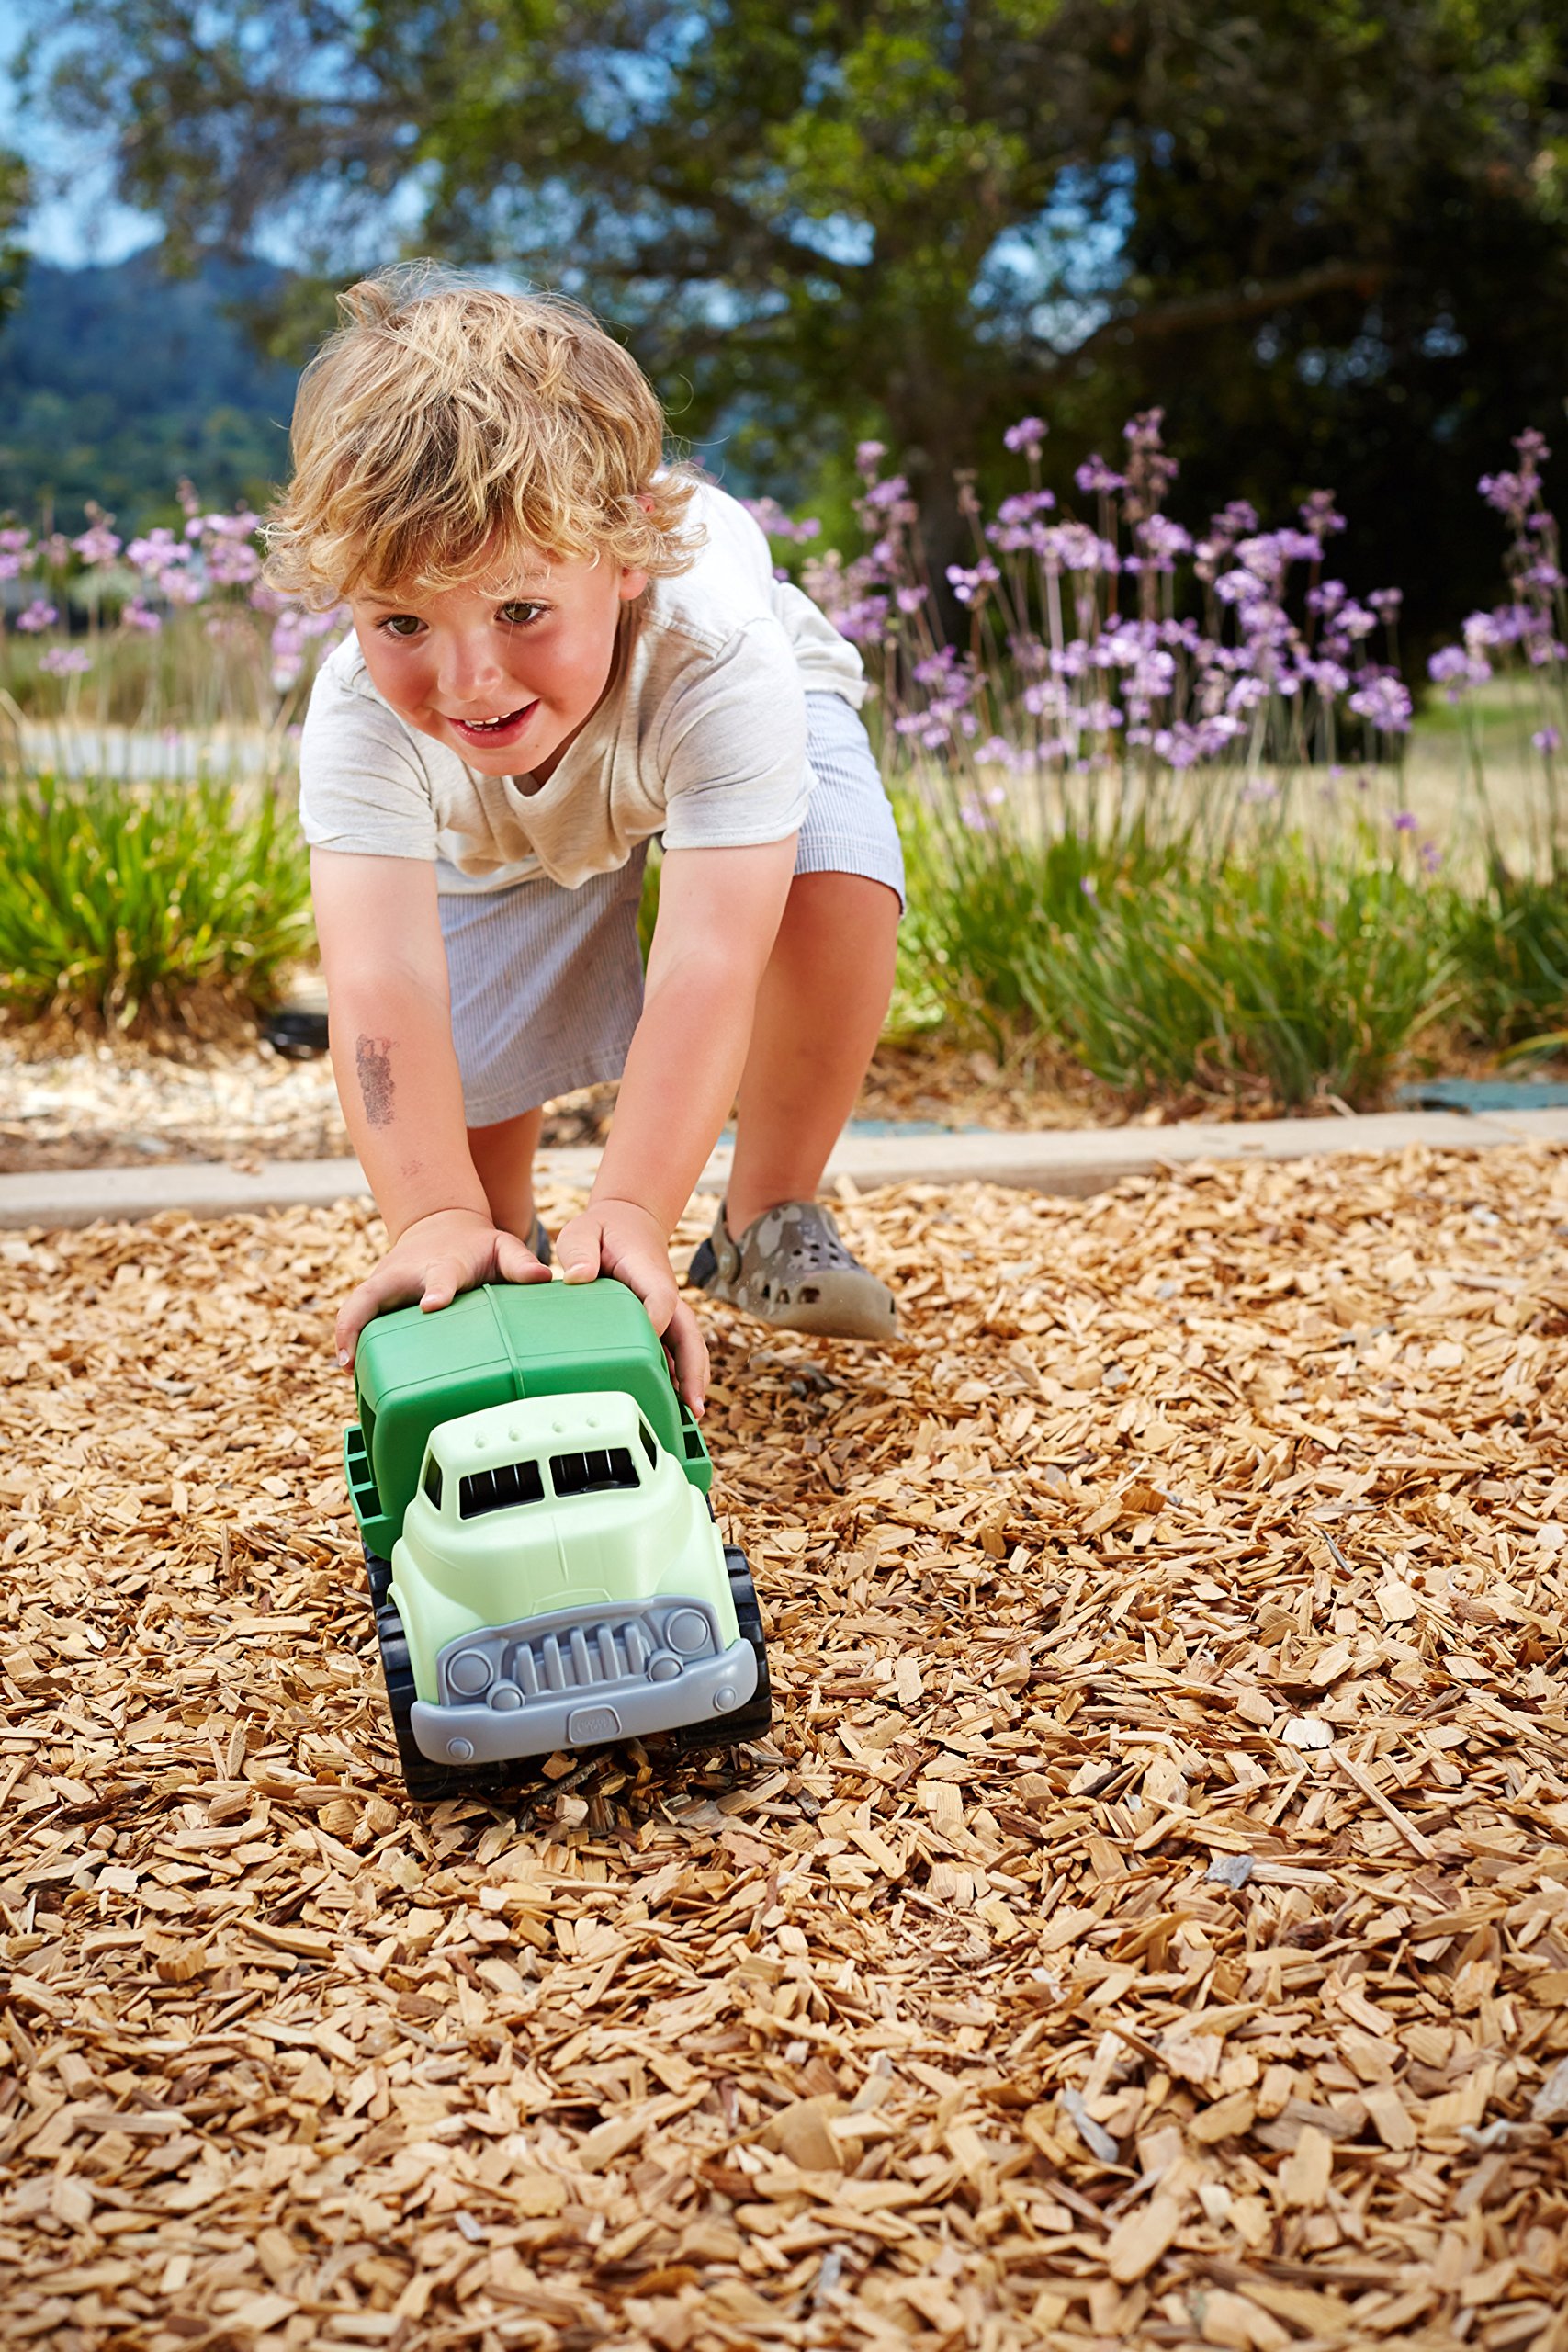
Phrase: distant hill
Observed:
(115, 382)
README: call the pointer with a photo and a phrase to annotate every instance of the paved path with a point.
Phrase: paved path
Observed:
(1074, 1160)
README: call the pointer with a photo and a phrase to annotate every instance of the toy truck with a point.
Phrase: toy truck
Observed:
(541, 1555)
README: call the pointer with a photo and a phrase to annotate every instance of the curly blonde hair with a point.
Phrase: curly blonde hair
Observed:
(446, 430)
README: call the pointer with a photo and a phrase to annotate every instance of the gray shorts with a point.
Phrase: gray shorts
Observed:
(546, 983)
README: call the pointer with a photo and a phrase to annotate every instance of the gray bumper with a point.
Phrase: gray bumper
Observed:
(705, 1691)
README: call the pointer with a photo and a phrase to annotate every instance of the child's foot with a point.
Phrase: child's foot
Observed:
(790, 1268)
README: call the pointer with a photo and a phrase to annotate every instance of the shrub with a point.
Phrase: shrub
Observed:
(120, 900)
(1510, 950)
(1309, 970)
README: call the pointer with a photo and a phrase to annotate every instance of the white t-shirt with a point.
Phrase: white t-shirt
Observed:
(701, 736)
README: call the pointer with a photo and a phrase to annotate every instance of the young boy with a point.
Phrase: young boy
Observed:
(562, 647)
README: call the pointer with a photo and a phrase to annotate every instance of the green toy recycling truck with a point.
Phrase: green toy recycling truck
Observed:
(544, 1563)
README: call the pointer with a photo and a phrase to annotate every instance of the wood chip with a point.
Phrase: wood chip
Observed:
(934, 2014)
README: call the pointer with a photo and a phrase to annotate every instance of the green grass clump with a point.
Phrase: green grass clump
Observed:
(1510, 950)
(1300, 969)
(1308, 973)
(986, 908)
(118, 900)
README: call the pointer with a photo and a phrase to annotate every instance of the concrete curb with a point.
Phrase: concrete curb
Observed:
(1075, 1161)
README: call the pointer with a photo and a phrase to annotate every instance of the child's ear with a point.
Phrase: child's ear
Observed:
(631, 584)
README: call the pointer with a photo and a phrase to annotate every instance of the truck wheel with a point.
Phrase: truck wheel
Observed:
(424, 1781)
(754, 1720)
(378, 1574)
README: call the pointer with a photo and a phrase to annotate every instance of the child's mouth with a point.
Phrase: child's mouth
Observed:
(496, 730)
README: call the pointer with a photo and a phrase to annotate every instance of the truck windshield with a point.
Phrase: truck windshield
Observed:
(498, 1489)
(601, 1467)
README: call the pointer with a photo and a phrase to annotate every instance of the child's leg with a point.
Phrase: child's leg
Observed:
(503, 1161)
(819, 1012)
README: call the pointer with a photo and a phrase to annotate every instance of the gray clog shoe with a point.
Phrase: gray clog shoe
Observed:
(790, 1268)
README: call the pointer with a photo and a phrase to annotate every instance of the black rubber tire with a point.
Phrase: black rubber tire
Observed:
(377, 1574)
(755, 1719)
(425, 1782)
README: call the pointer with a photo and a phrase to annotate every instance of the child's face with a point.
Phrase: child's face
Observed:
(502, 673)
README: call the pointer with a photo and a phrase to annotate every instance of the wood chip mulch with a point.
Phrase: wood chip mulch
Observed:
(70, 1102)
(1150, 1925)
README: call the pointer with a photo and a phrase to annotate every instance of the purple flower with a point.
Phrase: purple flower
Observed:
(1089, 886)
(1386, 602)
(181, 587)
(1072, 547)
(1163, 540)
(1318, 515)
(1095, 475)
(940, 669)
(909, 600)
(862, 622)
(1403, 822)
(98, 543)
(1455, 667)
(1548, 741)
(1384, 702)
(1236, 521)
(231, 562)
(770, 517)
(970, 585)
(37, 615)
(1014, 513)
(66, 661)
(157, 550)
(1028, 434)
(1511, 495)
(136, 615)
(868, 457)
(996, 752)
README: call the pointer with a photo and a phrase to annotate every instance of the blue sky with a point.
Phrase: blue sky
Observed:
(74, 221)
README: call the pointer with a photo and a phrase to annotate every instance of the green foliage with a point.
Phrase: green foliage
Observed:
(1510, 950)
(1297, 970)
(118, 900)
(1332, 240)
(115, 382)
(1307, 970)
(16, 193)
(986, 908)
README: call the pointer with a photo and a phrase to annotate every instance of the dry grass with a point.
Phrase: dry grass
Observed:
(1039, 1988)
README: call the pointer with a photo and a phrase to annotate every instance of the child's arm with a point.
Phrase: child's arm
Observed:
(379, 932)
(718, 913)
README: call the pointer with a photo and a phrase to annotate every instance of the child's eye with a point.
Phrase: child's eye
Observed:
(522, 615)
(400, 625)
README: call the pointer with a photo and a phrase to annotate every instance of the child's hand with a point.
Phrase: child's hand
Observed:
(619, 1239)
(432, 1260)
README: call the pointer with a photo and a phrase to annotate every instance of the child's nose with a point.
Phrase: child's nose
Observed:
(470, 668)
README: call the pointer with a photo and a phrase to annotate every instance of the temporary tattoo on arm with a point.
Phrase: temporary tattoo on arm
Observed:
(373, 1063)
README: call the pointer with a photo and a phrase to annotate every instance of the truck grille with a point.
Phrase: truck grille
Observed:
(508, 1665)
(577, 1660)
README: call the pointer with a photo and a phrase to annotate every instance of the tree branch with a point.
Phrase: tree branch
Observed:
(1187, 312)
